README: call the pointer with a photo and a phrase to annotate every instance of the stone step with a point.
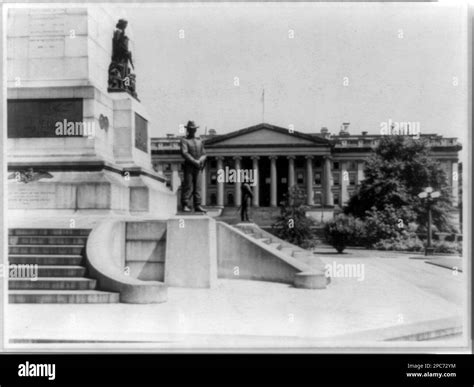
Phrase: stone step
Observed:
(47, 240)
(287, 250)
(275, 245)
(61, 271)
(264, 240)
(45, 259)
(49, 231)
(62, 297)
(46, 249)
(302, 254)
(52, 283)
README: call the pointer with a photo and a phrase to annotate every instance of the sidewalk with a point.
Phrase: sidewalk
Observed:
(396, 292)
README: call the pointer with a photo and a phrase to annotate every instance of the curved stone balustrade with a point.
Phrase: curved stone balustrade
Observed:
(105, 252)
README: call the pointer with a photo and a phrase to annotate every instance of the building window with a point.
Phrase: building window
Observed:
(213, 163)
(213, 179)
(352, 178)
(336, 178)
(230, 199)
(168, 167)
(317, 178)
(317, 163)
(300, 178)
(336, 199)
(352, 165)
(213, 199)
(318, 198)
(335, 165)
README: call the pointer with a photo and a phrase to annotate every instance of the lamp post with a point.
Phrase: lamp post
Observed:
(428, 196)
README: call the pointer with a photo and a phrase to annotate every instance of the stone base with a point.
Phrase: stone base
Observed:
(191, 252)
(112, 90)
(310, 280)
(98, 192)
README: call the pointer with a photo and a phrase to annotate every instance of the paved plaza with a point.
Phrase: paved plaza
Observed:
(398, 296)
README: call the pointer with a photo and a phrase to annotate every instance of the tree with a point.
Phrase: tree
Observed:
(398, 170)
(342, 231)
(293, 225)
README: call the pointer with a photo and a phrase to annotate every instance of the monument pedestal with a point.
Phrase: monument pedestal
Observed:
(77, 148)
(191, 252)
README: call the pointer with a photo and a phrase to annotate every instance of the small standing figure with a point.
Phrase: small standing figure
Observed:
(120, 75)
(192, 149)
(247, 194)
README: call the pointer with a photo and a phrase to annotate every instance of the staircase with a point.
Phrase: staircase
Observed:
(290, 250)
(59, 254)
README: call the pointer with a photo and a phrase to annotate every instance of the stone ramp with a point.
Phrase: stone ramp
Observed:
(245, 251)
(302, 255)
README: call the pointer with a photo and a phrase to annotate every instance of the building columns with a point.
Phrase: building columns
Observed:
(238, 192)
(291, 171)
(309, 180)
(256, 198)
(344, 183)
(455, 183)
(159, 168)
(175, 180)
(220, 184)
(273, 181)
(204, 185)
(327, 184)
(360, 172)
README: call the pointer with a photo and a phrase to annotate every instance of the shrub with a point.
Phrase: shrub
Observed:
(385, 224)
(341, 231)
(400, 244)
(411, 243)
(292, 225)
(447, 247)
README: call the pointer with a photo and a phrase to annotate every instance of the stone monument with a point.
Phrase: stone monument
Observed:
(78, 140)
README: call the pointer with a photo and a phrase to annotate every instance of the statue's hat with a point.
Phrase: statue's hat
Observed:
(191, 125)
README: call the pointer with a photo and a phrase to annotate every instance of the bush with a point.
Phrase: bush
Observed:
(446, 247)
(413, 243)
(292, 225)
(400, 244)
(389, 223)
(341, 231)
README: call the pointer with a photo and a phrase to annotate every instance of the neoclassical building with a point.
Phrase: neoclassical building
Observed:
(329, 167)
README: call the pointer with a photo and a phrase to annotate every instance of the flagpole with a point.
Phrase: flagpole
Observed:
(263, 105)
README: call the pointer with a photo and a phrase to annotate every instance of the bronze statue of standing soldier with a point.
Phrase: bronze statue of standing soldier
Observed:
(120, 76)
(194, 154)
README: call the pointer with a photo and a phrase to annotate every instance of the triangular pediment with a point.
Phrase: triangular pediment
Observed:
(265, 135)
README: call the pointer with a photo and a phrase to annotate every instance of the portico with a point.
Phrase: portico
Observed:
(279, 159)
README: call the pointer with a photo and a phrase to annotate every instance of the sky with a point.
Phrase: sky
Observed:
(319, 64)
